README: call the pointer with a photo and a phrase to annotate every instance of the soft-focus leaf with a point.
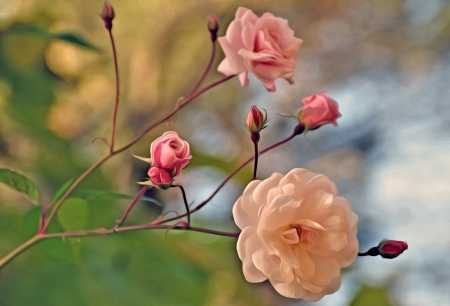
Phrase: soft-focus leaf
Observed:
(20, 183)
(53, 247)
(58, 194)
(74, 39)
(152, 200)
(371, 296)
(44, 33)
(99, 195)
(73, 214)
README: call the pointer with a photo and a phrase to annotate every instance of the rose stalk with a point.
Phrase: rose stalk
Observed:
(256, 121)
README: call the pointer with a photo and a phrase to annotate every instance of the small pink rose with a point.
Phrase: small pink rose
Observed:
(159, 176)
(264, 45)
(317, 110)
(170, 152)
(391, 248)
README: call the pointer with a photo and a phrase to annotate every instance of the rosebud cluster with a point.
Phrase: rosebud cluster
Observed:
(169, 155)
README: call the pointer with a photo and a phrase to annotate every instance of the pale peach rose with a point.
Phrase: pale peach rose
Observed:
(297, 233)
(264, 45)
(319, 109)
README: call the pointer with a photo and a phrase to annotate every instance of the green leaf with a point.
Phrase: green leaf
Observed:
(88, 194)
(37, 31)
(73, 214)
(53, 247)
(73, 39)
(20, 183)
(371, 296)
(58, 194)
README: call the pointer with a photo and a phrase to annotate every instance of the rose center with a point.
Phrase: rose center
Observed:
(298, 234)
(174, 146)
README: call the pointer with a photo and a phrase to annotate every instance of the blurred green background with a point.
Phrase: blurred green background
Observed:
(386, 62)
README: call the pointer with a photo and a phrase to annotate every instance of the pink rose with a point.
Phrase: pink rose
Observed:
(170, 152)
(297, 233)
(159, 176)
(319, 109)
(264, 45)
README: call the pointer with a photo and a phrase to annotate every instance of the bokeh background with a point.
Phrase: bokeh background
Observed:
(386, 62)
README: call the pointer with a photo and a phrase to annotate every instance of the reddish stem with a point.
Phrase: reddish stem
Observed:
(130, 207)
(116, 105)
(211, 59)
(185, 203)
(169, 115)
(231, 175)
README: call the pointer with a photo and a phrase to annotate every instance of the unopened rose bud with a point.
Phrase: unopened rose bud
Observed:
(391, 248)
(107, 15)
(160, 177)
(213, 26)
(256, 120)
(317, 110)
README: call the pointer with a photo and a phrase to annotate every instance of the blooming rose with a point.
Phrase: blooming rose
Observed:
(170, 152)
(297, 233)
(264, 45)
(159, 176)
(319, 109)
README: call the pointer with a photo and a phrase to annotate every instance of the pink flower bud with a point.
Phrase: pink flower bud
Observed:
(159, 176)
(256, 120)
(391, 248)
(213, 26)
(107, 15)
(170, 152)
(317, 110)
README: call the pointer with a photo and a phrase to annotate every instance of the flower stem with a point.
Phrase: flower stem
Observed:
(208, 67)
(19, 250)
(185, 203)
(255, 139)
(72, 188)
(116, 105)
(130, 207)
(170, 114)
(279, 143)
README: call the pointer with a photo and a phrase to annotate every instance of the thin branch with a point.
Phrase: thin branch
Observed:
(186, 205)
(231, 175)
(208, 67)
(130, 207)
(116, 105)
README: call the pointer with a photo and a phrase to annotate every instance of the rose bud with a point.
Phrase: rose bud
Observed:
(256, 120)
(317, 110)
(213, 26)
(160, 177)
(107, 15)
(170, 152)
(391, 248)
